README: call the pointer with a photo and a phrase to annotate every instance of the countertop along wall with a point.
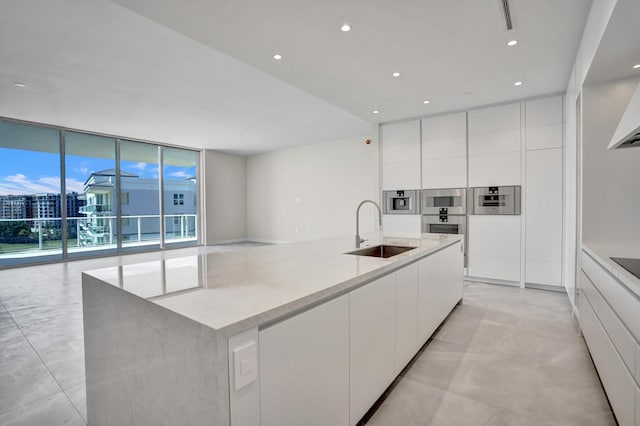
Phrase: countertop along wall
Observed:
(611, 197)
(312, 191)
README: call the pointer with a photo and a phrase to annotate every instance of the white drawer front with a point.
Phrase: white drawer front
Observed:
(621, 300)
(617, 382)
(619, 335)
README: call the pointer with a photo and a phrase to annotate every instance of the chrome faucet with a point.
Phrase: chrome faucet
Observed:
(358, 239)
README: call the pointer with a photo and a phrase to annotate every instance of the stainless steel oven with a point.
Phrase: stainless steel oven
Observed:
(446, 224)
(444, 201)
(496, 200)
(401, 201)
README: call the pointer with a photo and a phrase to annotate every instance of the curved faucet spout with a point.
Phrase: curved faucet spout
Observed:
(358, 239)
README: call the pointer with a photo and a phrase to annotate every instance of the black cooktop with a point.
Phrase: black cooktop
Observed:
(631, 265)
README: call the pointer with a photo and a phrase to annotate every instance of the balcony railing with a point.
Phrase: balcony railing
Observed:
(96, 208)
(31, 237)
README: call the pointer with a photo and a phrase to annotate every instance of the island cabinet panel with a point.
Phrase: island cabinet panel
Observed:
(371, 329)
(304, 368)
(406, 315)
(439, 288)
(427, 316)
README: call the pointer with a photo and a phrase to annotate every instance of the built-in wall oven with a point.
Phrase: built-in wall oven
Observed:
(444, 201)
(401, 201)
(444, 211)
(496, 200)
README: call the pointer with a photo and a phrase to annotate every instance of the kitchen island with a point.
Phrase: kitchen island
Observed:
(300, 333)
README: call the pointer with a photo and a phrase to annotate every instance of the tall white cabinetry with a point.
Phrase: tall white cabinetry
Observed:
(495, 151)
(401, 170)
(543, 191)
(444, 151)
(495, 146)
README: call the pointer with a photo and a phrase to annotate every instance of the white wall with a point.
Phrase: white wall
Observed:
(597, 21)
(611, 197)
(226, 197)
(312, 191)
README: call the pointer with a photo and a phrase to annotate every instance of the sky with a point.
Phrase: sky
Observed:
(31, 172)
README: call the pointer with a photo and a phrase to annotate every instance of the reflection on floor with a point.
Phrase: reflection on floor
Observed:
(506, 356)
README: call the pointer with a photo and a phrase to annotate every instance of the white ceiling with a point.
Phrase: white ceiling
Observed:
(200, 72)
(619, 49)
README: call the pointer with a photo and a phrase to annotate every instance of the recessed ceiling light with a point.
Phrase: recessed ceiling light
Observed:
(512, 43)
(517, 83)
(18, 84)
(345, 28)
(396, 74)
(375, 111)
(426, 102)
(277, 56)
(636, 66)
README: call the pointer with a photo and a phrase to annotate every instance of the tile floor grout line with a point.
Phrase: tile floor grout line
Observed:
(86, 421)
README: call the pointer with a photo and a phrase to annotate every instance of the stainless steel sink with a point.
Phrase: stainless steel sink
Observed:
(381, 251)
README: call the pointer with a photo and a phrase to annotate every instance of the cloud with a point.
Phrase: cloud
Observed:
(21, 184)
(138, 166)
(74, 185)
(181, 174)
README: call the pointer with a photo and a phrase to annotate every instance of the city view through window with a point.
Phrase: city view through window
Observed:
(102, 212)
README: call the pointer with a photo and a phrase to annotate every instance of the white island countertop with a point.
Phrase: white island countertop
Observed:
(253, 286)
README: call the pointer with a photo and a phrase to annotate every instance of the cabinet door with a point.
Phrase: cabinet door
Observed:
(401, 155)
(406, 311)
(427, 293)
(494, 146)
(371, 328)
(494, 130)
(449, 272)
(444, 151)
(544, 123)
(543, 221)
(304, 368)
(494, 247)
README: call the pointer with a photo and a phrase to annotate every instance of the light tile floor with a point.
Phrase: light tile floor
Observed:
(505, 357)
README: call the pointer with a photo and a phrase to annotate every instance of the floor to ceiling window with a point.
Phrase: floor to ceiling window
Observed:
(90, 164)
(30, 200)
(119, 195)
(139, 195)
(179, 184)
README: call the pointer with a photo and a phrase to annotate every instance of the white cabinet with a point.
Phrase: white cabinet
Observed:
(544, 123)
(494, 247)
(444, 151)
(616, 380)
(543, 219)
(609, 322)
(439, 288)
(304, 368)
(372, 350)
(328, 365)
(406, 311)
(494, 146)
(401, 155)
